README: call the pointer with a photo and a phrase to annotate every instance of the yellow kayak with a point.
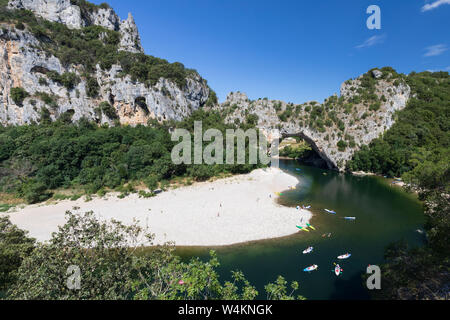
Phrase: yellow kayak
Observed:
(303, 228)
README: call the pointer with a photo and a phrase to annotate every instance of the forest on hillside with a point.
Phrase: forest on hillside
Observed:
(50, 159)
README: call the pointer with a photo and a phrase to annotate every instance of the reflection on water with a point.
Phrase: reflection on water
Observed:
(384, 214)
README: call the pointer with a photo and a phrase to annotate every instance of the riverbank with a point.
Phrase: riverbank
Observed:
(224, 212)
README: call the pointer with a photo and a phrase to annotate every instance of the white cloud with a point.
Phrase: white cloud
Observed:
(371, 41)
(435, 50)
(434, 5)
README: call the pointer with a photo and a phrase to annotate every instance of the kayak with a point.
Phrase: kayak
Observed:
(308, 207)
(311, 268)
(303, 228)
(298, 169)
(338, 270)
(330, 211)
(310, 226)
(350, 218)
(344, 256)
(309, 250)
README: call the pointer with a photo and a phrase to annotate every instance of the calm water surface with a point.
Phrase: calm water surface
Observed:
(384, 214)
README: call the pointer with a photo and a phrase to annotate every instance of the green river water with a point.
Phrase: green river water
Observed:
(384, 214)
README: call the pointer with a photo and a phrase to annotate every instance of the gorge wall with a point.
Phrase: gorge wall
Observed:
(129, 89)
(26, 63)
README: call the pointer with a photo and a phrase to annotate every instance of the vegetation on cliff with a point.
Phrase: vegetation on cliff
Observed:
(113, 267)
(94, 45)
(417, 148)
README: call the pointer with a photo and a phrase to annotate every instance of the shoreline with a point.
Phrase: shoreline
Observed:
(225, 212)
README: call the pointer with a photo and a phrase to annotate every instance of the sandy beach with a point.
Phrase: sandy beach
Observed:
(224, 212)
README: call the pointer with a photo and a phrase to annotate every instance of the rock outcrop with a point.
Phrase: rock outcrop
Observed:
(355, 123)
(63, 11)
(23, 64)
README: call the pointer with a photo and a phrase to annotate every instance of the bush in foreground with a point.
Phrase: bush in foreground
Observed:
(114, 266)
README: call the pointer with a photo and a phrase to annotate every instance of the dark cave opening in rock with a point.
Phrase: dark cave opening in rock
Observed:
(141, 102)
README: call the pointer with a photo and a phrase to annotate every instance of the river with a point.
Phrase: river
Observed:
(384, 214)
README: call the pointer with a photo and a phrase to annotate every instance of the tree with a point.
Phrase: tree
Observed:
(112, 265)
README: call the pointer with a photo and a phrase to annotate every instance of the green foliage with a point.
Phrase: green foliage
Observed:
(295, 152)
(43, 82)
(15, 245)
(417, 148)
(19, 25)
(342, 145)
(92, 87)
(151, 182)
(252, 119)
(423, 126)
(64, 155)
(45, 118)
(375, 106)
(18, 95)
(6, 207)
(212, 99)
(34, 191)
(279, 290)
(108, 110)
(113, 267)
(68, 79)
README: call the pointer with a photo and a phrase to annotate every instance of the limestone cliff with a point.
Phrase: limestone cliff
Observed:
(27, 63)
(338, 127)
(63, 11)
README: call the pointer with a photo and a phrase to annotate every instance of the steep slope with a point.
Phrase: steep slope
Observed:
(76, 59)
(338, 127)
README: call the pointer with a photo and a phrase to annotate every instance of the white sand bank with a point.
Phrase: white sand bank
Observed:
(223, 212)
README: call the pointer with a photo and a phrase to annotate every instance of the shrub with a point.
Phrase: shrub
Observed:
(20, 26)
(18, 95)
(212, 99)
(43, 82)
(92, 87)
(108, 110)
(151, 182)
(342, 145)
(375, 106)
(34, 192)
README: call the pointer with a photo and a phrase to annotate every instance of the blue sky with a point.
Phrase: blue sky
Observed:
(295, 51)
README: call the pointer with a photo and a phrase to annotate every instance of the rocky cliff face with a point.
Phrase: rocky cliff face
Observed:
(23, 64)
(63, 11)
(338, 127)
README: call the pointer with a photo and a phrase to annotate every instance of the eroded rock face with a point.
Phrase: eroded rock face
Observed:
(130, 40)
(23, 65)
(361, 124)
(62, 11)
(53, 10)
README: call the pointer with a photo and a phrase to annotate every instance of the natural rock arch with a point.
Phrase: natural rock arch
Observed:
(335, 129)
